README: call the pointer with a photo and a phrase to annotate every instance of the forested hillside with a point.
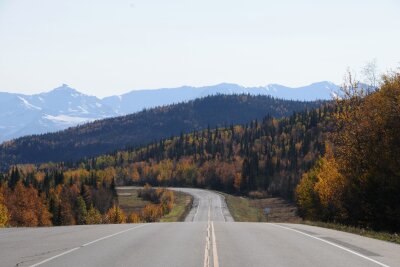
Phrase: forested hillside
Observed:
(108, 135)
(357, 182)
(264, 155)
(270, 154)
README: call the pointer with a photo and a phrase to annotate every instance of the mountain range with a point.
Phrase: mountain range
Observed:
(64, 106)
(137, 129)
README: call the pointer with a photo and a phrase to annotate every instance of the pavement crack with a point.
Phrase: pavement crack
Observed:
(33, 257)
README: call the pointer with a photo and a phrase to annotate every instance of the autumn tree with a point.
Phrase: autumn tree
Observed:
(368, 146)
(81, 210)
(93, 216)
(358, 182)
(66, 206)
(26, 207)
(4, 216)
(331, 187)
(115, 215)
(307, 199)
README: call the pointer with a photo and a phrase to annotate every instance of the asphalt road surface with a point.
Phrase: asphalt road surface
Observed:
(209, 237)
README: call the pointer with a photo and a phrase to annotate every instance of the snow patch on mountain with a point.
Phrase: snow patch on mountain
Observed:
(65, 119)
(29, 105)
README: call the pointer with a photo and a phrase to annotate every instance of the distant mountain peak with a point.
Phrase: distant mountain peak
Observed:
(65, 88)
(228, 85)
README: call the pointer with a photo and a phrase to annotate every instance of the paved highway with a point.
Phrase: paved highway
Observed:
(203, 200)
(207, 238)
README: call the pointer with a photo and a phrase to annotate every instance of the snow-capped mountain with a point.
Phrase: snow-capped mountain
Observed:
(137, 100)
(64, 106)
(58, 109)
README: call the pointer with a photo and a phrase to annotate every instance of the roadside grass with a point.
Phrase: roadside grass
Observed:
(390, 237)
(129, 201)
(182, 205)
(245, 209)
(280, 209)
(242, 210)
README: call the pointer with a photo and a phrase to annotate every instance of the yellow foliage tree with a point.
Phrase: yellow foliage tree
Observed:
(115, 215)
(135, 175)
(306, 197)
(4, 216)
(331, 187)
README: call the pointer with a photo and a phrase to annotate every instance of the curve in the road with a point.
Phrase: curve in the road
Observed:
(210, 238)
(202, 202)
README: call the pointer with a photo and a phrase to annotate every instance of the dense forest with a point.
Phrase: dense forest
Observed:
(52, 195)
(48, 195)
(268, 155)
(141, 128)
(357, 182)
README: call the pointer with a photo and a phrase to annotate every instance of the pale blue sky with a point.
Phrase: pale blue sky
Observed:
(107, 47)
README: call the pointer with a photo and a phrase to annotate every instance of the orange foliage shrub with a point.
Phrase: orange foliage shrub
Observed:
(134, 218)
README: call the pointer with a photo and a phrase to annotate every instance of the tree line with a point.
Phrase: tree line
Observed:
(53, 195)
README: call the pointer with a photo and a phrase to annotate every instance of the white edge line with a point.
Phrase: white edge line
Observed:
(332, 244)
(214, 244)
(220, 206)
(56, 256)
(84, 245)
(197, 210)
(223, 197)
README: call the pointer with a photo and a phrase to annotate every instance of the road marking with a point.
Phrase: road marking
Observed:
(214, 244)
(210, 238)
(332, 244)
(220, 205)
(56, 256)
(207, 248)
(197, 210)
(86, 244)
(209, 210)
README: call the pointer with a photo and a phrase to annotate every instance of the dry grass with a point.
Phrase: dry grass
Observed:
(280, 210)
(182, 205)
(252, 210)
(130, 202)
